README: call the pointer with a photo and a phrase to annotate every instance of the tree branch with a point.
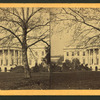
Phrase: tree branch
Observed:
(77, 14)
(33, 14)
(70, 14)
(37, 26)
(81, 21)
(12, 33)
(12, 13)
(45, 42)
(36, 42)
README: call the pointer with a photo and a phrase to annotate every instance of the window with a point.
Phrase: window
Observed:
(97, 61)
(12, 61)
(17, 61)
(78, 53)
(72, 53)
(67, 53)
(42, 53)
(83, 53)
(36, 53)
(83, 61)
(92, 61)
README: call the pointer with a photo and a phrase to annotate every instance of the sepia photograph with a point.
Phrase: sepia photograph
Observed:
(49, 48)
(75, 48)
(24, 48)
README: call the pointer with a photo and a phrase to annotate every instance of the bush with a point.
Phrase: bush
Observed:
(0, 69)
(39, 68)
(74, 65)
(55, 67)
(86, 67)
(67, 66)
(17, 69)
(36, 68)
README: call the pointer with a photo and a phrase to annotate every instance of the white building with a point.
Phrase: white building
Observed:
(89, 54)
(12, 56)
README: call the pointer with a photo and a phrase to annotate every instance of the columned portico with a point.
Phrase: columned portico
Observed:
(91, 57)
(9, 57)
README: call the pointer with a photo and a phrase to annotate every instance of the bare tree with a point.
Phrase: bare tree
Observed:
(84, 21)
(87, 17)
(27, 25)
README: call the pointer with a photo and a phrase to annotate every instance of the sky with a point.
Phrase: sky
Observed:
(59, 39)
(63, 32)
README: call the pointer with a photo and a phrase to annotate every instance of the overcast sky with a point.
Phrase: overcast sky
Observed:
(63, 31)
(59, 39)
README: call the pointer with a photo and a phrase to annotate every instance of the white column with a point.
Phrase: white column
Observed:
(81, 55)
(89, 57)
(86, 57)
(99, 56)
(64, 56)
(3, 57)
(18, 57)
(9, 57)
(94, 57)
(21, 57)
(14, 57)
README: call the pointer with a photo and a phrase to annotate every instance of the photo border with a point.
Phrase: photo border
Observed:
(50, 92)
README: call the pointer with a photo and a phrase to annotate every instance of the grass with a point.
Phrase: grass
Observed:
(16, 81)
(76, 80)
(60, 80)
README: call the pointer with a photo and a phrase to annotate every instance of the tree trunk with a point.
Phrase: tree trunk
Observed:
(25, 62)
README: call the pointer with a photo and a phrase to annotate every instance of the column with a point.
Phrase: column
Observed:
(18, 57)
(94, 57)
(99, 56)
(9, 57)
(0, 58)
(89, 57)
(21, 57)
(3, 57)
(86, 57)
(14, 57)
(81, 56)
(64, 56)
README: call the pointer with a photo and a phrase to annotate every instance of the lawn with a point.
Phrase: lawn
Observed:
(59, 80)
(13, 81)
(76, 80)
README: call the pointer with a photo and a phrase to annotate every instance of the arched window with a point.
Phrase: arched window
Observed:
(84, 53)
(72, 53)
(42, 53)
(67, 53)
(78, 53)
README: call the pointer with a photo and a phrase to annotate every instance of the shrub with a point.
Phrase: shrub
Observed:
(36, 68)
(39, 68)
(17, 69)
(86, 67)
(0, 69)
(55, 68)
(76, 64)
(67, 66)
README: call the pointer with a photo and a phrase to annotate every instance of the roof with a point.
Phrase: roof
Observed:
(93, 42)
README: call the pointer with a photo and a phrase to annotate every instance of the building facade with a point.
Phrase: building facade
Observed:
(12, 57)
(87, 55)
